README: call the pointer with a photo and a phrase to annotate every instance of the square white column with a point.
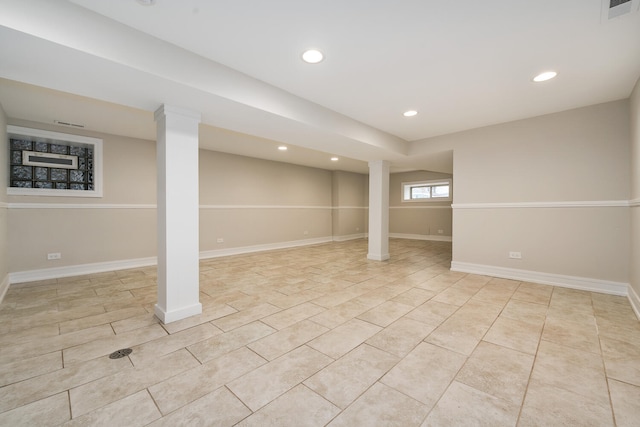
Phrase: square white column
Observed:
(378, 210)
(178, 214)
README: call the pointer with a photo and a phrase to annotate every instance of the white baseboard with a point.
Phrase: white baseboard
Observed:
(216, 253)
(4, 287)
(100, 267)
(348, 237)
(79, 270)
(582, 283)
(432, 237)
(634, 299)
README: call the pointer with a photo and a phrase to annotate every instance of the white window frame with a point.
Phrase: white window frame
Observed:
(405, 191)
(61, 138)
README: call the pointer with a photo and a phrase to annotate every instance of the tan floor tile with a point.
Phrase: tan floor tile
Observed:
(532, 292)
(292, 315)
(622, 360)
(340, 314)
(525, 311)
(386, 313)
(348, 377)
(180, 390)
(545, 405)
(136, 322)
(298, 407)
(287, 339)
(29, 368)
(344, 338)
(150, 350)
(106, 346)
(26, 335)
(245, 317)
(401, 337)
(262, 385)
(292, 300)
(46, 385)
(575, 370)
(454, 296)
(496, 292)
(100, 319)
(625, 399)
(218, 408)
(99, 393)
(498, 371)
(582, 336)
(414, 297)
(515, 334)
(425, 373)
(220, 345)
(432, 312)
(51, 411)
(135, 410)
(383, 406)
(479, 409)
(52, 317)
(55, 343)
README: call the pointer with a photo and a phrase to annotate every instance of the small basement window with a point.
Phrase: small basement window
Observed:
(427, 191)
(44, 163)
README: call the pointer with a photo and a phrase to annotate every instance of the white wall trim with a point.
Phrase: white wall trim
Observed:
(79, 270)
(634, 203)
(528, 205)
(4, 205)
(574, 282)
(419, 207)
(78, 206)
(634, 299)
(4, 287)
(216, 253)
(348, 237)
(432, 237)
(261, 207)
(350, 207)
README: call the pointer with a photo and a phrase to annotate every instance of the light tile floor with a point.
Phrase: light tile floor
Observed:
(319, 336)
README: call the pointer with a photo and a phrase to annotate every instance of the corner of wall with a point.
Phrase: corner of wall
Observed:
(634, 252)
(4, 226)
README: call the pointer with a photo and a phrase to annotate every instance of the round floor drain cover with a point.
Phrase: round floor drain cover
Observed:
(120, 353)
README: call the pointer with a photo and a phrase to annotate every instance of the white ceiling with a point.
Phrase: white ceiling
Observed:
(462, 64)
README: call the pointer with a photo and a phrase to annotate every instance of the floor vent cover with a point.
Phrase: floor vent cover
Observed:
(120, 353)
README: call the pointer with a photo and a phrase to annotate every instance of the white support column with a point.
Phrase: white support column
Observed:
(378, 210)
(178, 214)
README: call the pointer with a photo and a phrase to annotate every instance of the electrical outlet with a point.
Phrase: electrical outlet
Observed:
(54, 255)
(306, 232)
(440, 231)
(357, 228)
(515, 255)
(220, 240)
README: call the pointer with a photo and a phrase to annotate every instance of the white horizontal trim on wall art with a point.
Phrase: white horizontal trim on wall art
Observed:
(529, 205)
(432, 237)
(574, 282)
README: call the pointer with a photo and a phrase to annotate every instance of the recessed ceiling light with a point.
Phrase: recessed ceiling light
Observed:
(282, 148)
(334, 159)
(410, 113)
(543, 77)
(147, 2)
(312, 56)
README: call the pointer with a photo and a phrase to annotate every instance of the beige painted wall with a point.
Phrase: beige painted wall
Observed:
(577, 155)
(119, 226)
(635, 191)
(349, 215)
(4, 174)
(418, 218)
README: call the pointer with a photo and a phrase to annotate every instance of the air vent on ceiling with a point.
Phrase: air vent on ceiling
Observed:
(615, 8)
(73, 125)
